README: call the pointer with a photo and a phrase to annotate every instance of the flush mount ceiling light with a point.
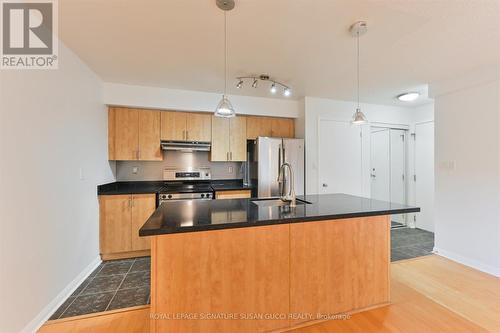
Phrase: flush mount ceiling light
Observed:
(408, 97)
(287, 91)
(358, 29)
(225, 108)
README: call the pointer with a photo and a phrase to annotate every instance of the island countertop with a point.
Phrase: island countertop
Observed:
(202, 215)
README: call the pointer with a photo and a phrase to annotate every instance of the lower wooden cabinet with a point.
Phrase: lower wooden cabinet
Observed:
(121, 217)
(233, 194)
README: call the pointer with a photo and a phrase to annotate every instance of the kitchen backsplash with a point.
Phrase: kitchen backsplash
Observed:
(153, 170)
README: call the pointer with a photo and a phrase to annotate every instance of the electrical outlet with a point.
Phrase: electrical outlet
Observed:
(135, 170)
(230, 169)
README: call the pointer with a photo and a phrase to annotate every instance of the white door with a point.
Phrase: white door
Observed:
(398, 167)
(339, 158)
(424, 171)
(380, 171)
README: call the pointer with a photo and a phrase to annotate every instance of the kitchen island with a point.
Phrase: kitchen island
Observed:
(252, 265)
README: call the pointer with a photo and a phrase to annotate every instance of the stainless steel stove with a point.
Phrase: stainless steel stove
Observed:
(190, 184)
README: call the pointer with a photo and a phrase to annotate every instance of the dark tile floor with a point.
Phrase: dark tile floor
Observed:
(113, 285)
(124, 283)
(409, 243)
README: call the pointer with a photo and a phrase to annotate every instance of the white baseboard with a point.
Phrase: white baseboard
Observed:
(46, 312)
(468, 262)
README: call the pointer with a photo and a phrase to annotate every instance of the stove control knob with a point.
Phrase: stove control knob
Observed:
(170, 196)
(208, 195)
(202, 195)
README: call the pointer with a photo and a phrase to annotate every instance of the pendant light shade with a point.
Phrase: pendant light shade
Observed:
(224, 108)
(359, 117)
(358, 29)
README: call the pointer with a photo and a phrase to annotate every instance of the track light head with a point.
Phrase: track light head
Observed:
(287, 92)
(273, 88)
(254, 84)
(239, 84)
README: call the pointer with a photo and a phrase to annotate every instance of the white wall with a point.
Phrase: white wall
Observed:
(53, 122)
(467, 157)
(320, 108)
(187, 100)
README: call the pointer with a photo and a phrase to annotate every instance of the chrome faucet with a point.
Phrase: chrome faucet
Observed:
(283, 179)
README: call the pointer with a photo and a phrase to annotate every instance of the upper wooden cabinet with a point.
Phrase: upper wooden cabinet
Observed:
(270, 126)
(199, 127)
(229, 139)
(282, 128)
(134, 134)
(258, 126)
(186, 126)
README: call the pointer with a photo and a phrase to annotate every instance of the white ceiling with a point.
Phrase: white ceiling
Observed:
(304, 43)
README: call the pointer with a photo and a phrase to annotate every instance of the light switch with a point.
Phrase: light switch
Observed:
(230, 169)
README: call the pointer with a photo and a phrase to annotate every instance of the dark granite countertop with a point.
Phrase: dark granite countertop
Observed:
(141, 187)
(203, 215)
(132, 187)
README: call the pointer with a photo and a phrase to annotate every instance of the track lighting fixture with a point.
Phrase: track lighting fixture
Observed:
(287, 91)
(273, 88)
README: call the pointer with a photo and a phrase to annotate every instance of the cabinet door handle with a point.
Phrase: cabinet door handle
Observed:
(231, 156)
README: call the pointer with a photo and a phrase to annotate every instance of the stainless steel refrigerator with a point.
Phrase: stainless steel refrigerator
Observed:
(265, 156)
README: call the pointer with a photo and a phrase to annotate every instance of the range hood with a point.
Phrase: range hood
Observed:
(186, 145)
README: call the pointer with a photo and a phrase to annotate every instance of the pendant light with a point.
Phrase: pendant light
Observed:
(225, 108)
(358, 29)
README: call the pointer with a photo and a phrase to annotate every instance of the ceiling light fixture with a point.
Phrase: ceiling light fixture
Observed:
(273, 89)
(225, 108)
(287, 91)
(357, 29)
(408, 97)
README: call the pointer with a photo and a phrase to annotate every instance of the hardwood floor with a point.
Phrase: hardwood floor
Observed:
(429, 294)
(470, 293)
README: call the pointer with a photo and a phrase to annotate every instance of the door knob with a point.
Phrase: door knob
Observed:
(325, 185)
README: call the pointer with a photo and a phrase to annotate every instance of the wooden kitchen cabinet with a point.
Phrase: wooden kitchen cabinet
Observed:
(233, 194)
(121, 217)
(186, 126)
(258, 126)
(143, 205)
(199, 127)
(270, 126)
(133, 135)
(229, 139)
(173, 126)
(282, 128)
(115, 215)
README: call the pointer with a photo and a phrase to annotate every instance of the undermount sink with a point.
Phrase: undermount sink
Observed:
(269, 202)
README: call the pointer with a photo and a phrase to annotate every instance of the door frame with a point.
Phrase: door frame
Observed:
(407, 134)
(414, 194)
